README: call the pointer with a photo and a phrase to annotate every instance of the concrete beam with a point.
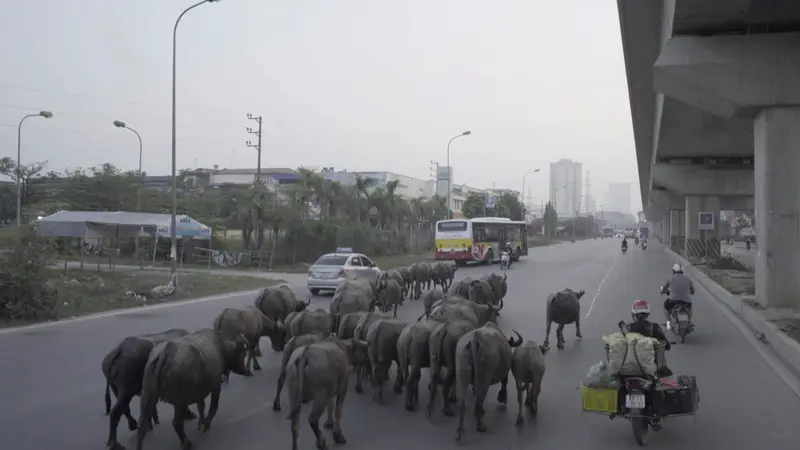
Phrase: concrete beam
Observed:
(731, 76)
(666, 200)
(700, 180)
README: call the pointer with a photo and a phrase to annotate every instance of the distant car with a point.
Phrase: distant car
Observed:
(329, 270)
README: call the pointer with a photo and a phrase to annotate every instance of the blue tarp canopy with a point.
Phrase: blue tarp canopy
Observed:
(118, 224)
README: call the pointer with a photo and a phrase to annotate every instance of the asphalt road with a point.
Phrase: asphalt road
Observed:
(52, 389)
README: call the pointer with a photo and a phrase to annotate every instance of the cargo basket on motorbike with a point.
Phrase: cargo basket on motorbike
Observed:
(660, 356)
(677, 398)
(600, 400)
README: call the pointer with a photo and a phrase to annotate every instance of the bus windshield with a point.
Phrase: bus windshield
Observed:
(460, 225)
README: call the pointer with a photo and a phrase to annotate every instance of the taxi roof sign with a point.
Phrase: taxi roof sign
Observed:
(344, 249)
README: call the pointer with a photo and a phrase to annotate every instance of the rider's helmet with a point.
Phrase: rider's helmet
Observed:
(677, 268)
(640, 310)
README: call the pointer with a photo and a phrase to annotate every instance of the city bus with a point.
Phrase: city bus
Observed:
(478, 239)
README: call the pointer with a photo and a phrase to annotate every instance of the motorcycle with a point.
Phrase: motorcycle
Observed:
(748, 246)
(624, 249)
(505, 260)
(644, 245)
(679, 322)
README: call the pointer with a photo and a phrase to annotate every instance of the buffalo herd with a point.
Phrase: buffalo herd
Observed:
(457, 339)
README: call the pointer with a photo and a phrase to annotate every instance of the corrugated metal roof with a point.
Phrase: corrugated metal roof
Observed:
(110, 218)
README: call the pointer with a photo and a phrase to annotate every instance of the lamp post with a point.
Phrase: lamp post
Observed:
(523, 189)
(450, 173)
(173, 219)
(121, 124)
(46, 115)
(555, 207)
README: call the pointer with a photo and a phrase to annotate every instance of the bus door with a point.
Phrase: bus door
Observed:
(524, 238)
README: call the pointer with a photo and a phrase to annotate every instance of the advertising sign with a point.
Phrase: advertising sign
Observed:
(706, 221)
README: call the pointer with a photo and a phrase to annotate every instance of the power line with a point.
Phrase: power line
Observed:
(66, 130)
(257, 145)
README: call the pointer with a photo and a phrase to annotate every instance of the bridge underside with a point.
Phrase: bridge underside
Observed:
(714, 90)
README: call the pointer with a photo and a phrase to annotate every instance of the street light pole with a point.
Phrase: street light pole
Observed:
(450, 173)
(523, 190)
(46, 115)
(173, 219)
(121, 124)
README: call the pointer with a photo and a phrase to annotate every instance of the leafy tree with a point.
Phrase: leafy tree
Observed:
(474, 205)
(25, 292)
(550, 220)
(31, 177)
(508, 205)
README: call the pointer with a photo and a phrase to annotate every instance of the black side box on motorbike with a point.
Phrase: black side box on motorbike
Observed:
(674, 401)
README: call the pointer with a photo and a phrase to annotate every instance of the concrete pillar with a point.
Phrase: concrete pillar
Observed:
(700, 243)
(665, 229)
(677, 229)
(777, 163)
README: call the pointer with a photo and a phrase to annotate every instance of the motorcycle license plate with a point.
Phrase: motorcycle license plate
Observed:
(634, 401)
(683, 317)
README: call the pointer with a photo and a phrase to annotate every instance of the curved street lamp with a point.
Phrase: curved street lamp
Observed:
(46, 115)
(173, 219)
(121, 124)
(450, 173)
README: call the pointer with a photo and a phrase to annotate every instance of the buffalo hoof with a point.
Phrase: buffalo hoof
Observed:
(449, 412)
(410, 407)
(115, 446)
(560, 346)
(190, 415)
(338, 438)
(520, 421)
(203, 426)
(502, 397)
(248, 374)
(328, 425)
(359, 389)
(133, 425)
(430, 411)
(322, 445)
(579, 335)
(459, 434)
(276, 405)
(480, 428)
(256, 367)
(186, 445)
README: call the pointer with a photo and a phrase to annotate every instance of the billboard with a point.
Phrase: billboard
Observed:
(705, 221)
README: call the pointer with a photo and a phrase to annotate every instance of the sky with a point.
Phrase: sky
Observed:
(355, 84)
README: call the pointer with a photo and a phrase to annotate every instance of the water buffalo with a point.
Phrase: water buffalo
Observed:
(442, 349)
(421, 275)
(443, 273)
(352, 296)
(461, 288)
(251, 323)
(455, 307)
(390, 294)
(292, 345)
(346, 325)
(308, 322)
(482, 292)
(360, 333)
(563, 308)
(123, 369)
(499, 285)
(432, 297)
(528, 367)
(277, 302)
(405, 272)
(413, 355)
(185, 371)
(483, 358)
(382, 338)
(318, 373)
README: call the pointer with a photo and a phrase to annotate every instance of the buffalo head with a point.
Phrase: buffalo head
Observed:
(512, 343)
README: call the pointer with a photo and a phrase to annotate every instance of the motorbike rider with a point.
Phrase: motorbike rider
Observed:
(624, 243)
(680, 289)
(510, 250)
(747, 243)
(640, 311)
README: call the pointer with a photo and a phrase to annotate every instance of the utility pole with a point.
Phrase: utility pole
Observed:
(257, 145)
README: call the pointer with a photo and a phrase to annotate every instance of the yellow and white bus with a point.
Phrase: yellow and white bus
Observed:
(478, 239)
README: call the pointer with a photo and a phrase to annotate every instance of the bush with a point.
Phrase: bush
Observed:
(25, 292)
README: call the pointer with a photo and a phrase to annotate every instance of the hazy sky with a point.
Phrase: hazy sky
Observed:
(354, 84)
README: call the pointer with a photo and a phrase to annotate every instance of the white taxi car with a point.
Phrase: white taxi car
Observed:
(329, 270)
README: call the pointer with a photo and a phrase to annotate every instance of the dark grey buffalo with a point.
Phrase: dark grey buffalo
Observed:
(432, 297)
(461, 288)
(455, 307)
(483, 358)
(563, 308)
(277, 302)
(292, 345)
(443, 273)
(123, 369)
(421, 275)
(318, 373)
(408, 281)
(413, 355)
(442, 350)
(346, 325)
(390, 295)
(360, 334)
(382, 338)
(499, 285)
(353, 296)
(528, 367)
(251, 323)
(185, 371)
(483, 292)
(308, 322)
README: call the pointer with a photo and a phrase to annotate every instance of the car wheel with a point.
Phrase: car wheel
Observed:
(314, 291)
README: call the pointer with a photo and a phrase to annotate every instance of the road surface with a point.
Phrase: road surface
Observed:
(52, 390)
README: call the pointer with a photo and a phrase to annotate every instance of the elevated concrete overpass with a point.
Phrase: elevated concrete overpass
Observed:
(714, 91)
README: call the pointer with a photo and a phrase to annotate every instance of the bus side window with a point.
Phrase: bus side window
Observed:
(479, 231)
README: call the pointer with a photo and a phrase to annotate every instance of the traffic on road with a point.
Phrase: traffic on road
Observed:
(53, 394)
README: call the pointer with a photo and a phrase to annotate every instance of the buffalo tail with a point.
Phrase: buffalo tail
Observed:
(300, 367)
(151, 386)
(474, 345)
(112, 372)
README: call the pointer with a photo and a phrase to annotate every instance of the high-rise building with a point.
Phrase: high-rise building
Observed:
(619, 198)
(566, 186)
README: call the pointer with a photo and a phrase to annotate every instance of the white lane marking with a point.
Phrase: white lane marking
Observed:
(600, 287)
(122, 312)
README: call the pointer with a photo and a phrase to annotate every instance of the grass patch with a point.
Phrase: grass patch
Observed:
(734, 281)
(82, 292)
